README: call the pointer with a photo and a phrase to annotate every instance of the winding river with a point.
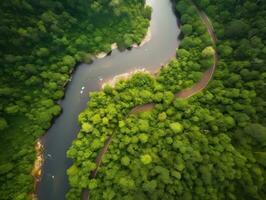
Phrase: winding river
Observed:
(158, 51)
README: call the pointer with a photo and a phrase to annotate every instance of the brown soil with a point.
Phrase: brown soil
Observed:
(206, 77)
(36, 171)
(85, 192)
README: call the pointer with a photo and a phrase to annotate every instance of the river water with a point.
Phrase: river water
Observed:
(159, 50)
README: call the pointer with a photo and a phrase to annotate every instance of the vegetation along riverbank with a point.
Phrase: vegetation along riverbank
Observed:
(37, 51)
(209, 146)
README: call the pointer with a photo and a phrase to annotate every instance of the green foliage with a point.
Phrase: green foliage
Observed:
(143, 138)
(86, 127)
(3, 124)
(237, 28)
(40, 44)
(146, 159)
(176, 127)
(256, 131)
(87, 58)
(6, 168)
(225, 50)
(125, 161)
(208, 52)
(261, 158)
(210, 146)
(187, 29)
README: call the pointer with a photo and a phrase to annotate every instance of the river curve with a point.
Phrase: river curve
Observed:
(158, 51)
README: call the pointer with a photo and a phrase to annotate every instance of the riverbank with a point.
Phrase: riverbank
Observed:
(184, 94)
(111, 82)
(165, 36)
(37, 167)
(207, 75)
(125, 76)
(114, 46)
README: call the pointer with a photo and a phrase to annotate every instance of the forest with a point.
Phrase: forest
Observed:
(40, 44)
(209, 146)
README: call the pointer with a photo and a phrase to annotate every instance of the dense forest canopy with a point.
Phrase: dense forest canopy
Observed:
(41, 41)
(209, 146)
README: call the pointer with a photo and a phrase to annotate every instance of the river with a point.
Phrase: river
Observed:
(158, 51)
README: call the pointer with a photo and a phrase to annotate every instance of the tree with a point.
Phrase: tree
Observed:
(146, 159)
(186, 29)
(208, 52)
(261, 158)
(125, 161)
(43, 52)
(188, 42)
(144, 125)
(225, 50)
(73, 170)
(109, 194)
(87, 58)
(204, 3)
(12, 109)
(127, 40)
(162, 116)
(96, 119)
(68, 60)
(256, 131)
(5, 168)
(92, 184)
(3, 123)
(236, 28)
(176, 127)
(182, 53)
(229, 121)
(127, 182)
(86, 127)
(150, 185)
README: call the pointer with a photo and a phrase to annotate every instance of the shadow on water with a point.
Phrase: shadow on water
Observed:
(158, 51)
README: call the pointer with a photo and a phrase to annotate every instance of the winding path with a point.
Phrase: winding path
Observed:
(184, 94)
(206, 77)
(159, 50)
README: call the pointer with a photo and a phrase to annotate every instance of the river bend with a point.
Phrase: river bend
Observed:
(158, 51)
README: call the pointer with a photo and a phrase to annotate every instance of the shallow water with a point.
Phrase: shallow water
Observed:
(158, 51)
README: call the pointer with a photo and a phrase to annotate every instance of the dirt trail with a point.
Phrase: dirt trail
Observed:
(184, 94)
(99, 158)
(85, 192)
(206, 77)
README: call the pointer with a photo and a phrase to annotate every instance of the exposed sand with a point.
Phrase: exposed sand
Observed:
(101, 55)
(36, 171)
(184, 94)
(114, 46)
(147, 38)
(123, 76)
(37, 168)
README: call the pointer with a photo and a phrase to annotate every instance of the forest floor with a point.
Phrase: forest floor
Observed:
(184, 94)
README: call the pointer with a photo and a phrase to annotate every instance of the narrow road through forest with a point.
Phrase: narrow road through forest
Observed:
(206, 77)
(184, 94)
